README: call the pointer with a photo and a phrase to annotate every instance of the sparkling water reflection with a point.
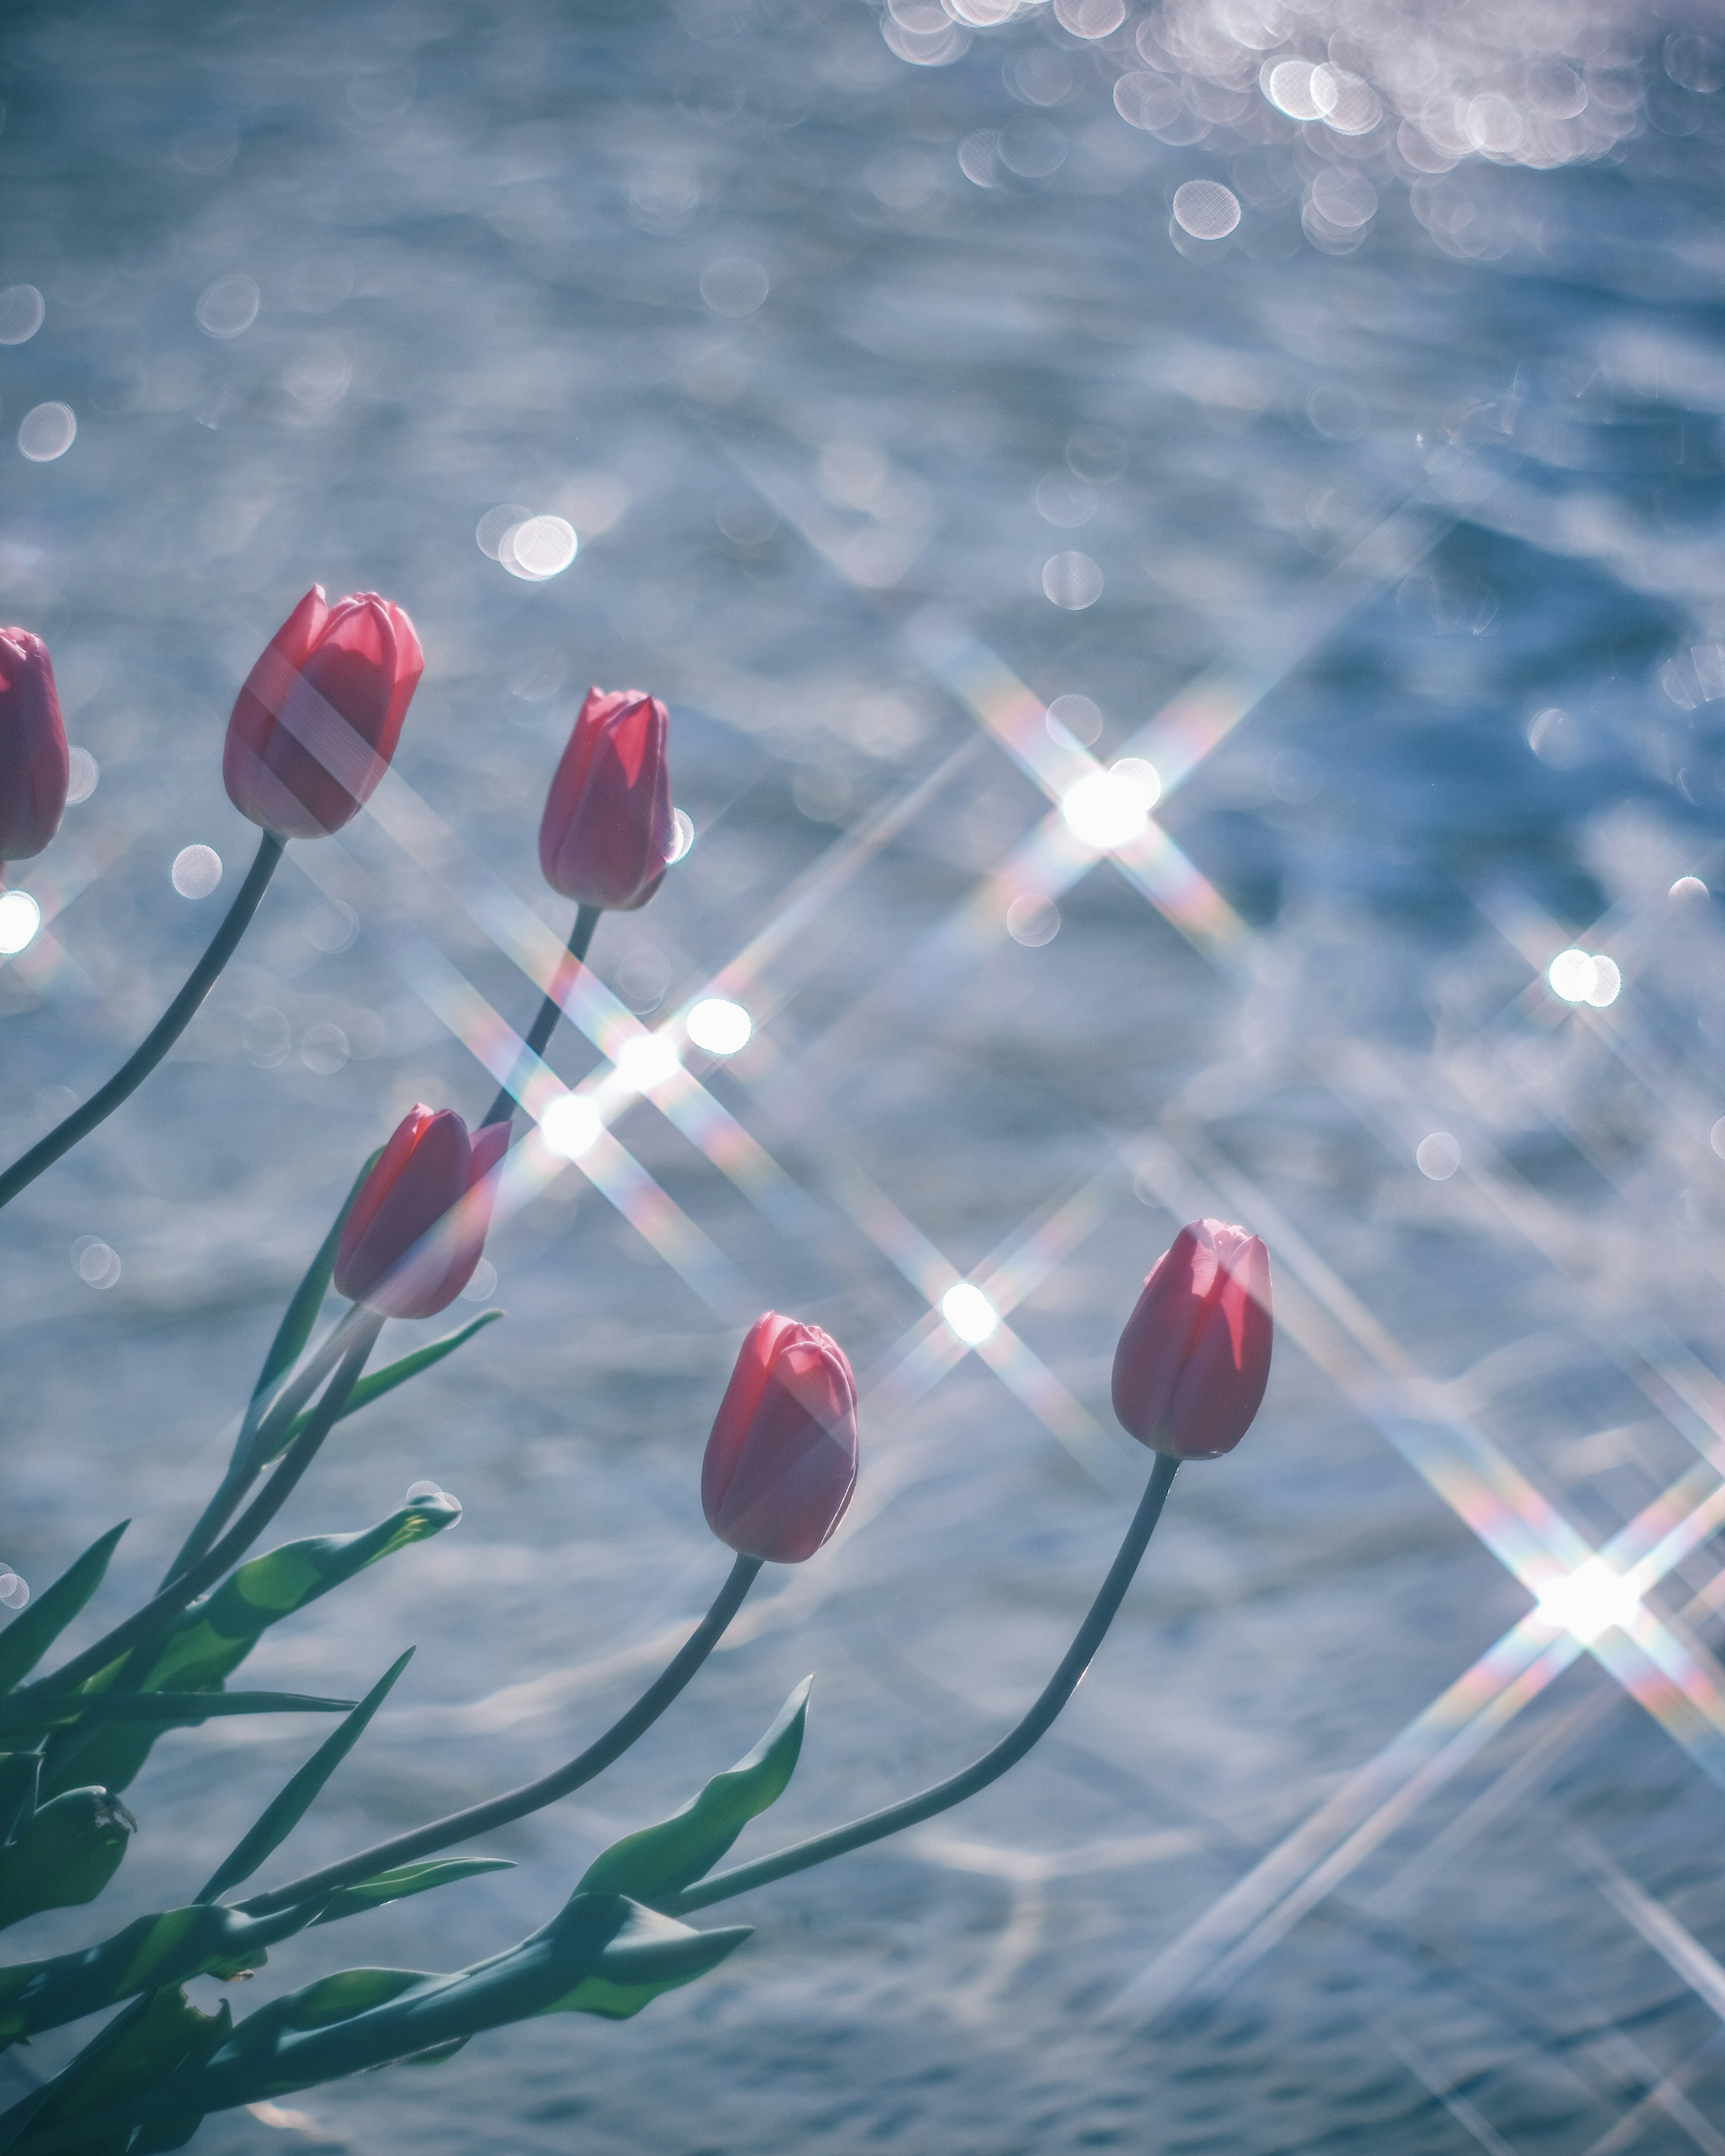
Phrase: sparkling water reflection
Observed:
(1293, 435)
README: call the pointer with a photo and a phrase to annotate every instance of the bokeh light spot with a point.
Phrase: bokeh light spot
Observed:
(571, 1127)
(1072, 581)
(1580, 977)
(719, 1025)
(324, 1049)
(20, 918)
(1589, 1601)
(538, 547)
(1111, 808)
(684, 835)
(22, 311)
(646, 1061)
(969, 1312)
(96, 1263)
(47, 431)
(82, 774)
(495, 526)
(228, 307)
(1438, 1156)
(197, 870)
(734, 285)
(1205, 209)
(1077, 718)
(1032, 921)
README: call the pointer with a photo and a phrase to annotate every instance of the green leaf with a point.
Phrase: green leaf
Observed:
(30, 1635)
(159, 2036)
(649, 1954)
(171, 1947)
(295, 1330)
(20, 1777)
(68, 1852)
(284, 1813)
(407, 1878)
(69, 1709)
(600, 1954)
(389, 1377)
(211, 1638)
(657, 1860)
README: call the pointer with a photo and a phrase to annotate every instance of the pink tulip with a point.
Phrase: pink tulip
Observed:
(33, 768)
(780, 1463)
(1195, 1358)
(418, 1228)
(318, 720)
(608, 830)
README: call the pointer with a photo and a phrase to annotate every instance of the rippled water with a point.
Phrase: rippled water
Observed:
(902, 373)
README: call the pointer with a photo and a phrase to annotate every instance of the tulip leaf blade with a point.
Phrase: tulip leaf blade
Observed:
(656, 1862)
(164, 2035)
(70, 1850)
(405, 1879)
(393, 1374)
(300, 1314)
(210, 1640)
(169, 1946)
(65, 1710)
(20, 1782)
(647, 1954)
(30, 1635)
(291, 1804)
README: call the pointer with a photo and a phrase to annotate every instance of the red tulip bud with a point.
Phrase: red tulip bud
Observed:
(608, 830)
(418, 1228)
(317, 721)
(1194, 1360)
(780, 1463)
(33, 747)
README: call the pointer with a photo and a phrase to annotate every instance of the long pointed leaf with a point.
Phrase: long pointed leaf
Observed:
(170, 1945)
(71, 1849)
(20, 1779)
(295, 1330)
(30, 1635)
(60, 1710)
(284, 1811)
(215, 1635)
(407, 1878)
(600, 1954)
(393, 1374)
(657, 1860)
(157, 2035)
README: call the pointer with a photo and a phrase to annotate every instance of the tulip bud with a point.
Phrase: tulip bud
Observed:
(780, 1463)
(417, 1229)
(1195, 1358)
(33, 768)
(608, 830)
(317, 721)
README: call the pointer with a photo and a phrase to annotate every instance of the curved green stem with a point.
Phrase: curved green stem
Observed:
(162, 1035)
(165, 1606)
(539, 1033)
(532, 1796)
(874, 1826)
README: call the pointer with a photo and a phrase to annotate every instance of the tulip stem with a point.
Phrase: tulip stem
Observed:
(532, 1796)
(260, 1430)
(539, 1033)
(169, 1601)
(874, 1826)
(162, 1035)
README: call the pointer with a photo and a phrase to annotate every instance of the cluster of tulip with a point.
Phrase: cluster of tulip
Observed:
(311, 736)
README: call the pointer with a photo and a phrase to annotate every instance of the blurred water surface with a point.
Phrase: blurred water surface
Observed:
(1320, 406)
